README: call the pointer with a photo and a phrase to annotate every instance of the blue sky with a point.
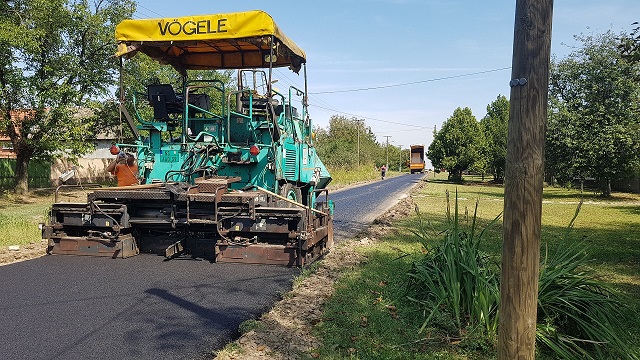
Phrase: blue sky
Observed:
(452, 53)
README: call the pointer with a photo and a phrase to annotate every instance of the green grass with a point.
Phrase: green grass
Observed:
(342, 177)
(20, 215)
(367, 318)
(19, 221)
(610, 227)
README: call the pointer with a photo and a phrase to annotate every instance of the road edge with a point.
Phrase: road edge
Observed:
(286, 330)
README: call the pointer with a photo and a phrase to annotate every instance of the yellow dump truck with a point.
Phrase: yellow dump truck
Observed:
(417, 159)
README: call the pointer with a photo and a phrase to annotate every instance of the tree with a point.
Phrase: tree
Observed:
(459, 145)
(630, 45)
(338, 144)
(495, 125)
(56, 61)
(593, 128)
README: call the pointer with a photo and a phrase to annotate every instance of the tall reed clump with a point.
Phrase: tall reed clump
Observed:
(457, 288)
(578, 315)
(454, 283)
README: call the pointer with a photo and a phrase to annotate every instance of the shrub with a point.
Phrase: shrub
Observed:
(454, 282)
(457, 287)
(577, 314)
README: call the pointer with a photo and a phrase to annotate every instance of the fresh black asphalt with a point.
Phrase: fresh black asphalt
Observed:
(77, 307)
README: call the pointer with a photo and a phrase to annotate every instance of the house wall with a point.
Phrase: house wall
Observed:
(6, 148)
(87, 171)
(90, 168)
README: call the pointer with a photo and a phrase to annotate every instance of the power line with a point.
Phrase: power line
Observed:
(411, 83)
(373, 119)
(146, 8)
(331, 108)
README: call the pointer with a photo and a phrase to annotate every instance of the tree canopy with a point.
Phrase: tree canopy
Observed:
(459, 145)
(337, 145)
(593, 128)
(56, 60)
(495, 125)
(630, 45)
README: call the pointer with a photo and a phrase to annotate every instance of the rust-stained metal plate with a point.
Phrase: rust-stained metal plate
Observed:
(257, 254)
(125, 247)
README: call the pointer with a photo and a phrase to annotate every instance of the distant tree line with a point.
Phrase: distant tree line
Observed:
(349, 143)
(593, 126)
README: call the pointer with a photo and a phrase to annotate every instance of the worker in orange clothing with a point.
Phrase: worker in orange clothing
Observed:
(124, 167)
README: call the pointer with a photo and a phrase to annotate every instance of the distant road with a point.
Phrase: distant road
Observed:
(357, 207)
(66, 307)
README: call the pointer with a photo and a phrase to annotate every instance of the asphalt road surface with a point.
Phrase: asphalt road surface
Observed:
(357, 207)
(78, 307)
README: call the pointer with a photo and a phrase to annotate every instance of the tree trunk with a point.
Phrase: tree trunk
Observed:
(455, 175)
(606, 188)
(22, 176)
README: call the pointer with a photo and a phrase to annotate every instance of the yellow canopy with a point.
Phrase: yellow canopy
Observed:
(219, 41)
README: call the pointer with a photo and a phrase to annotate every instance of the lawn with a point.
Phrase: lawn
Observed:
(369, 316)
(342, 177)
(20, 215)
(19, 221)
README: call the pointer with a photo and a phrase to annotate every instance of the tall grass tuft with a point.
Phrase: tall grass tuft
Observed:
(454, 281)
(578, 315)
(457, 288)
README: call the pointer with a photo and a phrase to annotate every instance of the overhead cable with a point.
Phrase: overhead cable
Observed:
(410, 83)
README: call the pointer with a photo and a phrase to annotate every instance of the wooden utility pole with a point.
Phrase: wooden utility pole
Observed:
(387, 164)
(524, 176)
(359, 125)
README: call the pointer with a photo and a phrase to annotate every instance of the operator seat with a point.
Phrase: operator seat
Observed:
(164, 101)
(258, 102)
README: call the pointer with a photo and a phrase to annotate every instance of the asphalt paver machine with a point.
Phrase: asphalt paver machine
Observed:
(227, 173)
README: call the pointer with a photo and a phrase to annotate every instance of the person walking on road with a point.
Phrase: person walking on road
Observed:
(383, 171)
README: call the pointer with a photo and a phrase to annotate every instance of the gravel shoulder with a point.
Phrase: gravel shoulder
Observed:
(16, 253)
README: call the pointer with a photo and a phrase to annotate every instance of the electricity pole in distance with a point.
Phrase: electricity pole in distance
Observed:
(358, 124)
(387, 164)
(524, 175)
